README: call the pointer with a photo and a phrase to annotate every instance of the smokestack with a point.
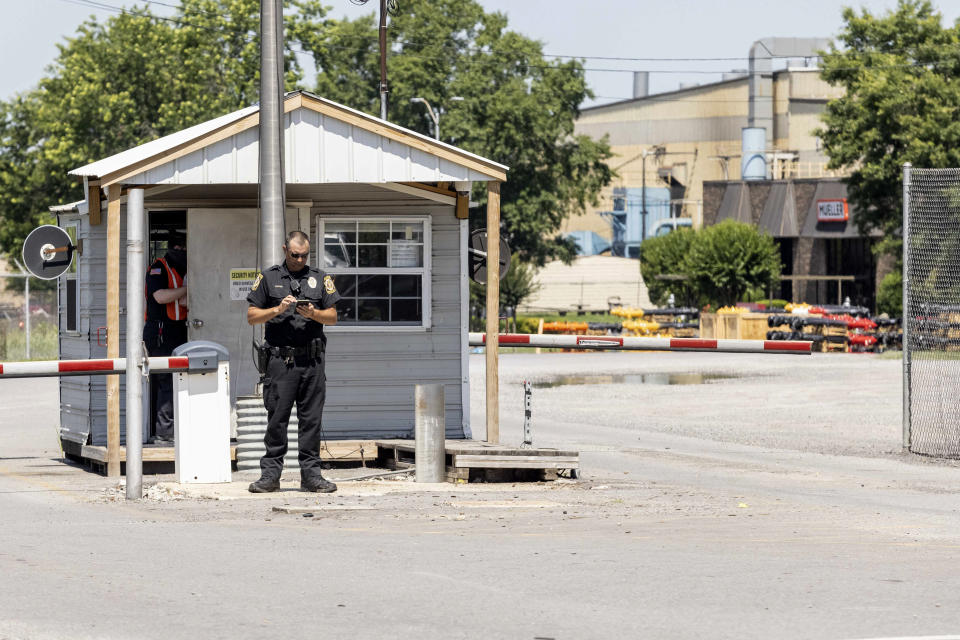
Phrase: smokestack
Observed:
(641, 84)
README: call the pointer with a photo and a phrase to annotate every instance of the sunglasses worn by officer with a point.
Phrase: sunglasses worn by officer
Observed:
(299, 256)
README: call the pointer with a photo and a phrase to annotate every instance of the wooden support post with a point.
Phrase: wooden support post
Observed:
(113, 328)
(93, 203)
(463, 205)
(493, 311)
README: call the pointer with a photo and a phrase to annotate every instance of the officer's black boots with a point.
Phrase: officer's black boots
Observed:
(264, 485)
(317, 484)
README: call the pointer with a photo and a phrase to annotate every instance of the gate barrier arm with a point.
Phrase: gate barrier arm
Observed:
(800, 347)
(108, 366)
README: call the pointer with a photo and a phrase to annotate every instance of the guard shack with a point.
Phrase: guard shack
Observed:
(386, 211)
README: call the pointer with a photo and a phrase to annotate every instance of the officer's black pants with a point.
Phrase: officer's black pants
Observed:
(305, 383)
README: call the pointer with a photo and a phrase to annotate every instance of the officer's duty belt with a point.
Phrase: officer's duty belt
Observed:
(313, 350)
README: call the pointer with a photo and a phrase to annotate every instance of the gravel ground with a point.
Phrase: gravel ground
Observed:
(846, 404)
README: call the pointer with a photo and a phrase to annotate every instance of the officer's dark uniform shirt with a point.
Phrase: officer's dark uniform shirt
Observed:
(290, 329)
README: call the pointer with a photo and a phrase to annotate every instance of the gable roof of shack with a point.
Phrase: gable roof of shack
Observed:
(324, 142)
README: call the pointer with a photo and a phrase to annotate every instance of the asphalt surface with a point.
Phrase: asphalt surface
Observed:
(772, 501)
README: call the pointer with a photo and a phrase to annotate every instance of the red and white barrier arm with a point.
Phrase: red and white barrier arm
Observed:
(113, 366)
(645, 344)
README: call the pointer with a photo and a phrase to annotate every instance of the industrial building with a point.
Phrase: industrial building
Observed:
(743, 148)
(667, 145)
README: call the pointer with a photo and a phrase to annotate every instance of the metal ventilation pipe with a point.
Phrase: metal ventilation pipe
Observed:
(641, 84)
(271, 131)
(760, 71)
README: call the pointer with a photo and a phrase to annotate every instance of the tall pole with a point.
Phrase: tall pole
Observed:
(906, 314)
(271, 158)
(383, 59)
(493, 312)
(643, 198)
(26, 314)
(136, 266)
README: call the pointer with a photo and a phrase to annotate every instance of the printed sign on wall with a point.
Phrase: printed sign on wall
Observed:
(834, 210)
(241, 281)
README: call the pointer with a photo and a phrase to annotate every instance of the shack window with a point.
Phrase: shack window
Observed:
(381, 267)
(71, 290)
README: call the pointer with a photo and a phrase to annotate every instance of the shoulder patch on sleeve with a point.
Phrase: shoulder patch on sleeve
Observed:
(256, 283)
(156, 271)
(328, 284)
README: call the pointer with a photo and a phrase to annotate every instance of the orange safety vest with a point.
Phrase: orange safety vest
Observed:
(176, 310)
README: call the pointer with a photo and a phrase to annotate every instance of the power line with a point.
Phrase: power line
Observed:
(419, 56)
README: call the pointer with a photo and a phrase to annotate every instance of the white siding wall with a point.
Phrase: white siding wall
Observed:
(371, 375)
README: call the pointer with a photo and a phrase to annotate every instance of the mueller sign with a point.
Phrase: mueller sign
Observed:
(834, 210)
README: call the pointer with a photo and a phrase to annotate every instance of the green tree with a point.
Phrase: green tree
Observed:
(900, 72)
(666, 256)
(730, 260)
(518, 108)
(722, 264)
(890, 295)
(124, 82)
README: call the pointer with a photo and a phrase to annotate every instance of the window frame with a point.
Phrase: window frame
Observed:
(425, 272)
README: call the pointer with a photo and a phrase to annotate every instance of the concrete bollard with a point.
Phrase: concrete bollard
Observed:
(430, 433)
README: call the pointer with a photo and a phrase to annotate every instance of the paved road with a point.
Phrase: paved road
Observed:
(775, 504)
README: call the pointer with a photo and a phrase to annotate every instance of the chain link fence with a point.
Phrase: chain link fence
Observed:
(27, 335)
(931, 311)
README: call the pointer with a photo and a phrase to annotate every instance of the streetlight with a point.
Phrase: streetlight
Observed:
(434, 115)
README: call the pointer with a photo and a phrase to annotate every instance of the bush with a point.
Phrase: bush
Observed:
(731, 259)
(890, 295)
(723, 264)
(666, 255)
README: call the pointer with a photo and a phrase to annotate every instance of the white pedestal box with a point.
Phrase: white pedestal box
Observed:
(201, 409)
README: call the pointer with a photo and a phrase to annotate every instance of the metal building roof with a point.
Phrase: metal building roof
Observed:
(324, 142)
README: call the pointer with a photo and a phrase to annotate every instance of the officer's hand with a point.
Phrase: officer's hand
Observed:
(286, 302)
(306, 310)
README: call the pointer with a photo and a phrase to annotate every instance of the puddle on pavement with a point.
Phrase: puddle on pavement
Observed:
(633, 378)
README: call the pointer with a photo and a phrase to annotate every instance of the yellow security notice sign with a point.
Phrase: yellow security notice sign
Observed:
(241, 281)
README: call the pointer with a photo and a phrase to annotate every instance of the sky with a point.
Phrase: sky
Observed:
(653, 34)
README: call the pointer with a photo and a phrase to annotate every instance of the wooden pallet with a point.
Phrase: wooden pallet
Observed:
(470, 459)
(95, 456)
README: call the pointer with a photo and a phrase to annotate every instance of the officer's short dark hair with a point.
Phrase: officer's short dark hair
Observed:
(176, 239)
(299, 236)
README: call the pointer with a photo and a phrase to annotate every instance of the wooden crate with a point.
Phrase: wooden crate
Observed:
(733, 326)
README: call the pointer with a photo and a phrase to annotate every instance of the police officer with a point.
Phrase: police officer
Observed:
(295, 301)
(165, 325)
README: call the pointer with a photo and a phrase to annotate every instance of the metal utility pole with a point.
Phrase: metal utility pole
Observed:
(385, 6)
(434, 115)
(643, 198)
(272, 198)
(383, 59)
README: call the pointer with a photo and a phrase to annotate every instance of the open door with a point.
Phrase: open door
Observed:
(221, 267)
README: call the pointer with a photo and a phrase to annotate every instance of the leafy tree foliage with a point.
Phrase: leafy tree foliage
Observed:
(136, 77)
(666, 256)
(517, 108)
(890, 295)
(723, 264)
(124, 82)
(901, 75)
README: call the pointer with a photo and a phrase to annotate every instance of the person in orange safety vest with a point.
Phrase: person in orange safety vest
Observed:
(165, 326)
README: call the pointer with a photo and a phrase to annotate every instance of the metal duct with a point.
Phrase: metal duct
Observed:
(760, 71)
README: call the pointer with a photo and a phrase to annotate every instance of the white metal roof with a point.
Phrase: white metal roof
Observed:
(132, 156)
(324, 142)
